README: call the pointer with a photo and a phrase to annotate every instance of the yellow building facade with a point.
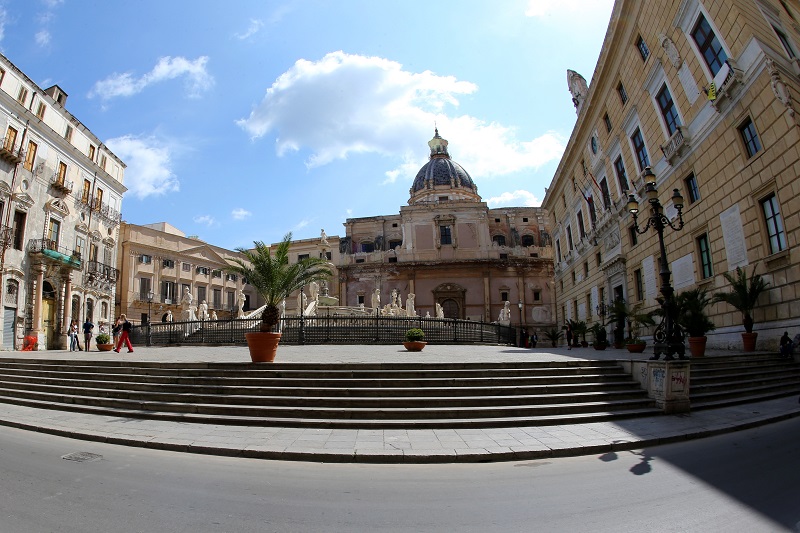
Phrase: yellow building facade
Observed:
(704, 93)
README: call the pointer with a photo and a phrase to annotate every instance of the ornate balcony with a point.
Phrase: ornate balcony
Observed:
(105, 211)
(58, 183)
(676, 145)
(101, 271)
(51, 252)
(8, 153)
(6, 237)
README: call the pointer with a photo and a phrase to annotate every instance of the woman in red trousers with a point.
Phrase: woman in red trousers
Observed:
(122, 321)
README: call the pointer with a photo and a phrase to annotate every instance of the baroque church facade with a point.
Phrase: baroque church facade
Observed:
(447, 247)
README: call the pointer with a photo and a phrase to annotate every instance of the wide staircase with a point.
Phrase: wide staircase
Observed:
(378, 395)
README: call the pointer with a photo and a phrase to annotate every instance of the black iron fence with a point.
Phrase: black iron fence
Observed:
(325, 330)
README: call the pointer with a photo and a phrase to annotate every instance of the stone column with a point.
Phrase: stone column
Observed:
(668, 385)
(67, 314)
(36, 330)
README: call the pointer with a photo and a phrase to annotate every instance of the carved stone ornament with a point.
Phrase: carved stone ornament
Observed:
(780, 89)
(671, 50)
(577, 87)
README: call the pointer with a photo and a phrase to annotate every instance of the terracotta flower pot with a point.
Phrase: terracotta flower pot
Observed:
(263, 346)
(104, 347)
(414, 346)
(749, 341)
(697, 346)
(600, 345)
(636, 348)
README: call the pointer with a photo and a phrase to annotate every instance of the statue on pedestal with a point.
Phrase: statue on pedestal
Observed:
(202, 311)
(187, 304)
(410, 311)
(240, 301)
(439, 310)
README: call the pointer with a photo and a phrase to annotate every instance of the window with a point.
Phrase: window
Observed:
(503, 256)
(217, 299)
(202, 271)
(445, 236)
(98, 199)
(54, 232)
(642, 47)
(623, 96)
(92, 150)
(41, 108)
(216, 274)
(392, 244)
(499, 239)
(607, 121)
(598, 258)
(80, 244)
(201, 294)
(537, 296)
(524, 219)
(573, 277)
(586, 269)
(593, 144)
(168, 292)
(92, 252)
(691, 188)
(569, 238)
(301, 257)
(708, 44)
(367, 247)
(752, 144)
(30, 157)
(145, 259)
(62, 172)
(606, 195)
(144, 288)
(622, 176)
(186, 267)
(443, 198)
(393, 259)
(581, 229)
(704, 252)
(772, 217)
(668, 110)
(528, 240)
(634, 236)
(19, 229)
(230, 277)
(68, 133)
(230, 299)
(167, 263)
(22, 95)
(558, 249)
(641, 150)
(103, 161)
(787, 45)
(87, 187)
(11, 139)
(497, 220)
(637, 282)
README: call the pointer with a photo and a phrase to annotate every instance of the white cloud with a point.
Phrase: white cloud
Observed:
(347, 104)
(506, 199)
(197, 77)
(240, 214)
(302, 224)
(149, 170)
(205, 220)
(3, 21)
(255, 27)
(43, 37)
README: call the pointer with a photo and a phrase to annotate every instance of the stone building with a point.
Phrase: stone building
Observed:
(158, 263)
(448, 248)
(704, 93)
(60, 199)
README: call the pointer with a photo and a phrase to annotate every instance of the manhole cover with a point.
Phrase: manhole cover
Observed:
(82, 457)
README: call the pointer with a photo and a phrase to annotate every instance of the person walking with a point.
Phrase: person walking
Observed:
(534, 339)
(124, 336)
(786, 346)
(87, 332)
(568, 327)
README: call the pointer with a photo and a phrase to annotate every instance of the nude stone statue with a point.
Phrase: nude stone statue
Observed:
(202, 311)
(410, 311)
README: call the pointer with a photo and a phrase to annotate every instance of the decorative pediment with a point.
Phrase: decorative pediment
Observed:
(80, 227)
(108, 241)
(23, 200)
(96, 236)
(57, 205)
(206, 253)
(5, 190)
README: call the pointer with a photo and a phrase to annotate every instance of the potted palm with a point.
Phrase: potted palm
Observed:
(600, 335)
(618, 316)
(553, 335)
(579, 329)
(270, 273)
(743, 296)
(637, 319)
(693, 319)
(414, 342)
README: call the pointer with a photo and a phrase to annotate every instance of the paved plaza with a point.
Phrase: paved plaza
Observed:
(386, 446)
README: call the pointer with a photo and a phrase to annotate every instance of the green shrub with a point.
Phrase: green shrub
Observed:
(414, 334)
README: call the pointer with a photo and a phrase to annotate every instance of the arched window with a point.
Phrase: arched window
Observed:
(12, 292)
(89, 310)
(499, 239)
(528, 240)
(104, 310)
(76, 308)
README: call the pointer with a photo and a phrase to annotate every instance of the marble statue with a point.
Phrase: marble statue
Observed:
(313, 291)
(394, 297)
(202, 311)
(410, 311)
(427, 314)
(505, 313)
(376, 298)
(240, 303)
(213, 315)
(577, 87)
(169, 318)
(187, 303)
(439, 311)
(323, 237)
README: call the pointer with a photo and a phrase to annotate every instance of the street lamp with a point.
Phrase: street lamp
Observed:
(602, 309)
(149, 307)
(668, 335)
(521, 340)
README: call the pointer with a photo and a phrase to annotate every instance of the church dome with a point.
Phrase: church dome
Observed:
(442, 177)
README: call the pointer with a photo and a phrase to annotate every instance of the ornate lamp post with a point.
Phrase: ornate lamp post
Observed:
(149, 309)
(668, 335)
(521, 340)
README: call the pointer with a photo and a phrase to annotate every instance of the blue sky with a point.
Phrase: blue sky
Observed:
(241, 121)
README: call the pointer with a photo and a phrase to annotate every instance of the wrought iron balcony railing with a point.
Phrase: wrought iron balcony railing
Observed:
(50, 249)
(103, 271)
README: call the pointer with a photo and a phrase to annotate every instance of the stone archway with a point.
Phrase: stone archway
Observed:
(452, 298)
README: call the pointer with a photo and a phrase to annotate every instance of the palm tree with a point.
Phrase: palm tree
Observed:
(274, 278)
(743, 295)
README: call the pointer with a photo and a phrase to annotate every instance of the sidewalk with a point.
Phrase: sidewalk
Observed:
(386, 446)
